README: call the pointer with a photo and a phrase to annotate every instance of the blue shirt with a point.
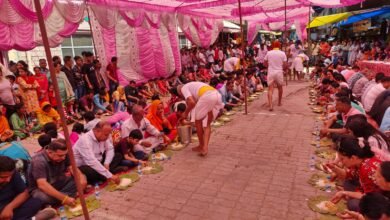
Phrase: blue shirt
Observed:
(99, 103)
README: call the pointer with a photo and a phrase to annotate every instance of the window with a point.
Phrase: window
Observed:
(77, 43)
(183, 42)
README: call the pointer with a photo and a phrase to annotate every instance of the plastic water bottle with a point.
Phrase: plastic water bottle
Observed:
(139, 169)
(312, 163)
(153, 159)
(97, 191)
(62, 213)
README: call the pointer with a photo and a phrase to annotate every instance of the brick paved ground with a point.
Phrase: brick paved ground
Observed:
(257, 168)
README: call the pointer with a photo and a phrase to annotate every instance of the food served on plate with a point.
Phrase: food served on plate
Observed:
(125, 182)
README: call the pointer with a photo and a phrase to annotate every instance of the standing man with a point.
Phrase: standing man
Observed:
(78, 77)
(276, 60)
(43, 67)
(205, 102)
(112, 74)
(67, 69)
(88, 71)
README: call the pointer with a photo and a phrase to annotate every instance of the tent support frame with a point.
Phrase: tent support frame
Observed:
(243, 58)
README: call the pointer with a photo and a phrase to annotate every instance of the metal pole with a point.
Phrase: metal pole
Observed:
(309, 40)
(90, 28)
(243, 57)
(45, 41)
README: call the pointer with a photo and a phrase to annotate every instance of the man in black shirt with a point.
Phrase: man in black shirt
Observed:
(131, 93)
(88, 70)
(79, 78)
(15, 202)
(67, 69)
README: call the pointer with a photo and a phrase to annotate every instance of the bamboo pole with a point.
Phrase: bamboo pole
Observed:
(243, 57)
(90, 28)
(285, 34)
(309, 41)
(45, 41)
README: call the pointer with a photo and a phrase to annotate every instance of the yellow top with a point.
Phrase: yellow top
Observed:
(204, 89)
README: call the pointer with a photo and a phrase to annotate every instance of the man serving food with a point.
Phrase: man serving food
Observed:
(204, 102)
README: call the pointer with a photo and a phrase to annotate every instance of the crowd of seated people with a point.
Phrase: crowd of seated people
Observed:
(356, 103)
(114, 127)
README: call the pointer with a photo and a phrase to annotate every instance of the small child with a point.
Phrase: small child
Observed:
(131, 157)
(77, 130)
(44, 140)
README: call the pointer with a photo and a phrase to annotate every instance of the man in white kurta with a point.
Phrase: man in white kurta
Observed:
(138, 121)
(205, 102)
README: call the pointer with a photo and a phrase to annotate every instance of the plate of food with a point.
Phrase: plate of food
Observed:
(225, 119)
(126, 180)
(318, 110)
(321, 167)
(216, 124)
(162, 155)
(324, 142)
(326, 153)
(151, 168)
(75, 211)
(322, 182)
(321, 204)
(177, 146)
(229, 113)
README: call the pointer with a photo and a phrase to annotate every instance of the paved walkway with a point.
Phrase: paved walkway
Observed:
(257, 168)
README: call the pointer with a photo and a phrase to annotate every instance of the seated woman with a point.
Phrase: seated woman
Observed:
(117, 104)
(378, 141)
(20, 122)
(77, 131)
(162, 86)
(361, 163)
(158, 120)
(127, 147)
(47, 114)
(6, 133)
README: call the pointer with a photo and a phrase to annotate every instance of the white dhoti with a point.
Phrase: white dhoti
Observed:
(209, 101)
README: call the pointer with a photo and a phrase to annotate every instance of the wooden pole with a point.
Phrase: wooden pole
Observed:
(90, 28)
(45, 41)
(243, 57)
(309, 40)
(285, 34)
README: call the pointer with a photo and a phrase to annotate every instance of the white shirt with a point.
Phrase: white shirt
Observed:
(192, 89)
(230, 63)
(275, 59)
(89, 151)
(210, 56)
(145, 126)
(261, 54)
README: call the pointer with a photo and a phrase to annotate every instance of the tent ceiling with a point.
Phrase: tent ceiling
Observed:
(252, 10)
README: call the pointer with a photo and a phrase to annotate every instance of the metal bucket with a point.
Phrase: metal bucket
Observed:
(184, 133)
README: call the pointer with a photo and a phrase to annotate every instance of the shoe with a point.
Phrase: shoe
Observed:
(46, 214)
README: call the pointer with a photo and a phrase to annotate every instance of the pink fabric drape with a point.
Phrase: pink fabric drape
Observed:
(24, 11)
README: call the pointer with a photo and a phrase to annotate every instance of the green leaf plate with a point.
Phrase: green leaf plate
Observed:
(162, 155)
(155, 168)
(326, 153)
(133, 176)
(92, 204)
(321, 181)
(314, 201)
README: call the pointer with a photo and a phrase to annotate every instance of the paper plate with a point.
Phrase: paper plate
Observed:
(73, 212)
(326, 153)
(321, 181)
(319, 203)
(318, 110)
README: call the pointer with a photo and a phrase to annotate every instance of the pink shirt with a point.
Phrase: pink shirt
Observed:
(349, 74)
(352, 111)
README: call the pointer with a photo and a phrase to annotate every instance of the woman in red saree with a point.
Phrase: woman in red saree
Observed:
(162, 86)
(28, 90)
(158, 120)
(43, 91)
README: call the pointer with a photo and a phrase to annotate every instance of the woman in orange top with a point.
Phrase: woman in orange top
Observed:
(158, 120)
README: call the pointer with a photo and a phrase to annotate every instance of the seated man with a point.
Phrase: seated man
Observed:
(50, 176)
(47, 114)
(95, 156)
(129, 149)
(101, 105)
(138, 121)
(344, 108)
(86, 102)
(15, 202)
(228, 98)
(131, 93)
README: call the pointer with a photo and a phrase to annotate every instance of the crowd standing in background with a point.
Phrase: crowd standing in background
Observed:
(116, 127)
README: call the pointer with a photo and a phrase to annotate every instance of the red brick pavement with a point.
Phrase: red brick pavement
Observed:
(257, 168)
